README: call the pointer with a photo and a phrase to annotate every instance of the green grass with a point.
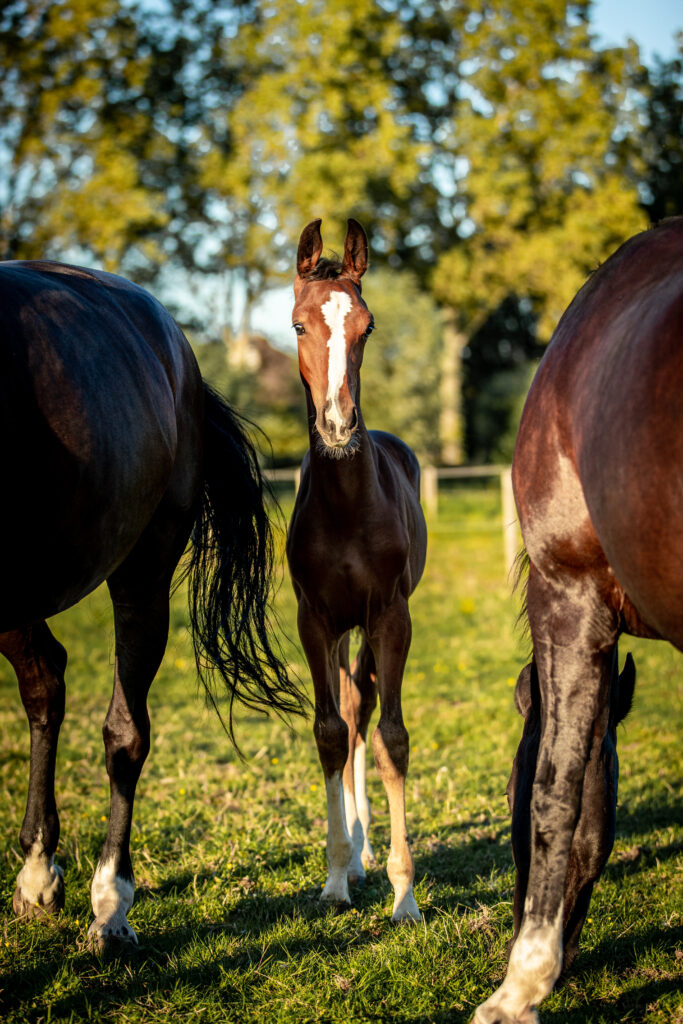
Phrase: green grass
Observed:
(230, 857)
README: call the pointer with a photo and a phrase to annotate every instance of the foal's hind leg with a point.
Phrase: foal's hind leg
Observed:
(573, 634)
(358, 698)
(391, 642)
(140, 594)
(39, 662)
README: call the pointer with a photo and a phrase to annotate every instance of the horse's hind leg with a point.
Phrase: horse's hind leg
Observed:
(39, 662)
(140, 594)
(573, 634)
(391, 642)
(358, 699)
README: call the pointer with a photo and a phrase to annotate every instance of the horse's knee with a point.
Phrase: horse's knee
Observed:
(390, 746)
(126, 745)
(332, 737)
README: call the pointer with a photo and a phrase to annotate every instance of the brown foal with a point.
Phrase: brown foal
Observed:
(356, 548)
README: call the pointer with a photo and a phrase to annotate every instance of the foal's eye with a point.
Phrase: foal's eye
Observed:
(370, 328)
(299, 328)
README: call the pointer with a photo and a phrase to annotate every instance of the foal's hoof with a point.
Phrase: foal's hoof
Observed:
(494, 1015)
(406, 910)
(338, 906)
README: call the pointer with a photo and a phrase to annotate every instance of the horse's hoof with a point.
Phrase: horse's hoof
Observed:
(39, 891)
(35, 911)
(113, 938)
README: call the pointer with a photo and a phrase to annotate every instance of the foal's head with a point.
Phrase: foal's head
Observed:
(332, 323)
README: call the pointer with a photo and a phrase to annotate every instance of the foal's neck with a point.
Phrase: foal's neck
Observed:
(350, 475)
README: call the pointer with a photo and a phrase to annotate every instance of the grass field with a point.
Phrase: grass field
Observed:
(230, 856)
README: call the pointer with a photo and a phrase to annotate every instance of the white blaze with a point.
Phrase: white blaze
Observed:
(334, 312)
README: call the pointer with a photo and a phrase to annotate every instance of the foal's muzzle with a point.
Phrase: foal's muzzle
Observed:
(336, 434)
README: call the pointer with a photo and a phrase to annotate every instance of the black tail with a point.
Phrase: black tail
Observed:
(230, 574)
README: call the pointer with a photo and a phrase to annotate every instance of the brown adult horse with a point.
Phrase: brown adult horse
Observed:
(598, 481)
(113, 451)
(356, 546)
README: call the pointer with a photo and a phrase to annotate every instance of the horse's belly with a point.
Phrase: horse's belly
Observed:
(67, 524)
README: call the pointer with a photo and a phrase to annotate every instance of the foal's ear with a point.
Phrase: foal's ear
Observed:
(310, 248)
(355, 252)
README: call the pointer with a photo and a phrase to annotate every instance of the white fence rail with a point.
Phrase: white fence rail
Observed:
(429, 493)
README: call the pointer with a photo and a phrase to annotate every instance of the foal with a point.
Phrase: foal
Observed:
(356, 548)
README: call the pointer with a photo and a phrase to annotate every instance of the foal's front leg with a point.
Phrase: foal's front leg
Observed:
(358, 698)
(39, 662)
(331, 735)
(391, 641)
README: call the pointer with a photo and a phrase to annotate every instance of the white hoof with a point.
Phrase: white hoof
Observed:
(336, 889)
(356, 871)
(40, 888)
(491, 1012)
(115, 930)
(406, 909)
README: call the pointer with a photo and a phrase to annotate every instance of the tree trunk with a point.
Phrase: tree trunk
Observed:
(450, 392)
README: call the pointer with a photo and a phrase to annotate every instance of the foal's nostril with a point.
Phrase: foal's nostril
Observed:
(354, 420)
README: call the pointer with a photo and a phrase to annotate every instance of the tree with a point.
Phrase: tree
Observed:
(400, 375)
(662, 139)
(491, 149)
(68, 149)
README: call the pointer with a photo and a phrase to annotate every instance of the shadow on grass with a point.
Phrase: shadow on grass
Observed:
(633, 1005)
(112, 981)
(643, 818)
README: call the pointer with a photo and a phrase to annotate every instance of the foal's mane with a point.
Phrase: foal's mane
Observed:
(326, 269)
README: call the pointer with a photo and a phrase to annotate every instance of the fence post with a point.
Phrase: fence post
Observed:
(509, 519)
(297, 480)
(430, 490)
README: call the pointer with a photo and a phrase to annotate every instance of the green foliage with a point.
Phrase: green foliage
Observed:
(277, 410)
(230, 857)
(400, 375)
(494, 150)
(544, 193)
(662, 139)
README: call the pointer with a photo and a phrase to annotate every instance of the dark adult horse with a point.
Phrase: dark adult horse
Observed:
(356, 547)
(598, 476)
(113, 451)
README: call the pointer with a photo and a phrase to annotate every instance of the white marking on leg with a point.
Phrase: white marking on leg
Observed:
(334, 312)
(40, 882)
(534, 966)
(339, 846)
(356, 871)
(112, 898)
(362, 802)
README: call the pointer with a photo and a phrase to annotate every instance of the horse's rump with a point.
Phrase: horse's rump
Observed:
(91, 370)
(599, 462)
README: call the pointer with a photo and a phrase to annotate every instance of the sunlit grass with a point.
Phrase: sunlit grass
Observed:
(229, 855)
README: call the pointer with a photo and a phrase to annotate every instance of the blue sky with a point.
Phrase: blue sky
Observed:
(652, 24)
